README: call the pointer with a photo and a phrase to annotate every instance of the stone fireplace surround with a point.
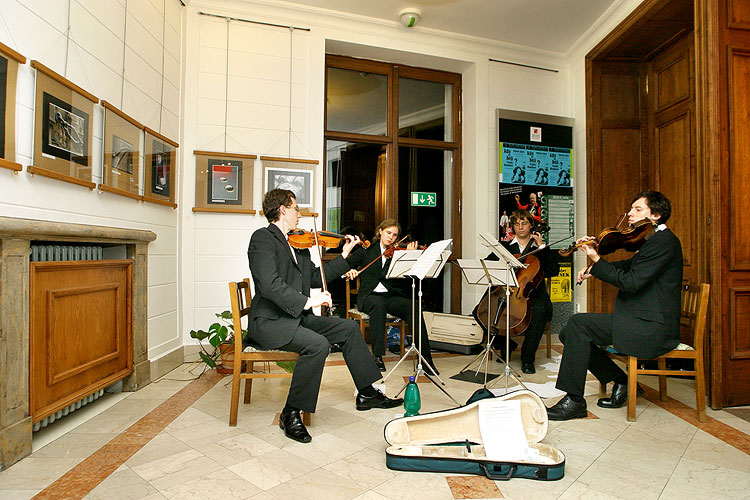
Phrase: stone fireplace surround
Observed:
(15, 237)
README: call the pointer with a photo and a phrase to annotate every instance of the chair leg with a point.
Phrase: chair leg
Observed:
(632, 386)
(602, 389)
(700, 388)
(403, 334)
(248, 383)
(235, 402)
(662, 364)
(306, 418)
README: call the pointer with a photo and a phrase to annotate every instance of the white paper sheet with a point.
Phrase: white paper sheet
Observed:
(428, 258)
(502, 430)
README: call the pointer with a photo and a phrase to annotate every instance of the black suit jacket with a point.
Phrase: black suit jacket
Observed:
(646, 319)
(374, 274)
(282, 286)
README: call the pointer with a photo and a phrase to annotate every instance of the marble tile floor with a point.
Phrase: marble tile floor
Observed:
(171, 440)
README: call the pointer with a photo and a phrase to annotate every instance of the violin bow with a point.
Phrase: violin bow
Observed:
(381, 255)
(320, 256)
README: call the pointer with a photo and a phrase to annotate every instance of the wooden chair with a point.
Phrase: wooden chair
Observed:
(241, 296)
(693, 312)
(352, 289)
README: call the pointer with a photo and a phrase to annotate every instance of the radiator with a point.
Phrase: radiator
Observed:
(55, 252)
(49, 253)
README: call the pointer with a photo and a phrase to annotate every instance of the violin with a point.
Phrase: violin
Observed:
(299, 238)
(611, 239)
(400, 246)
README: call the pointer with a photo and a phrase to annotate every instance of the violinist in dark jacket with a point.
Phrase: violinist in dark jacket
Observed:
(379, 296)
(646, 318)
(525, 241)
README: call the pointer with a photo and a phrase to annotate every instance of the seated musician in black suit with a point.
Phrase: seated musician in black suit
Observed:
(281, 315)
(646, 318)
(379, 296)
(525, 241)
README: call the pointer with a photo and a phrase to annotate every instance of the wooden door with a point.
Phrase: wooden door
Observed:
(81, 330)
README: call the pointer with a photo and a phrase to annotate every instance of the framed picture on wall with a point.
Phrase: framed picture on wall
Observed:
(122, 153)
(297, 175)
(223, 182)
(9, 61)
(62, 129)
(161, 158)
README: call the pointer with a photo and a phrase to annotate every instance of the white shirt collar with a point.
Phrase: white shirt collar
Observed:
(661, 227)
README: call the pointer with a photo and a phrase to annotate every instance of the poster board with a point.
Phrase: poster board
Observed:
(9, 61)
(63, 123)
(121, 163)
(161, 169)
(224, 182)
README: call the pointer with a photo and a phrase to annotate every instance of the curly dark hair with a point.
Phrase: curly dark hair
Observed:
(657, 203)
(273, 200)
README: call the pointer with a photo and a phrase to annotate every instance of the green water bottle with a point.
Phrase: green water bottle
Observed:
(412, 402)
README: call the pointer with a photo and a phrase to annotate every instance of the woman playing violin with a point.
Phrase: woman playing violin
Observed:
(525, 241)
(646, 318)
(379, 296)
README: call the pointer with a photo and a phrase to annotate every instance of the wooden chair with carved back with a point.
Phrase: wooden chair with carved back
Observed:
(693, 313)
(245, 358)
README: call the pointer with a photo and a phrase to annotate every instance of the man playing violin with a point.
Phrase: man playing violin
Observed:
(379, 296)
(281, 315)
(646, 318)
(523, 242)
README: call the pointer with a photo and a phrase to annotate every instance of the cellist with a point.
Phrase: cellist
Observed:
(524, 241)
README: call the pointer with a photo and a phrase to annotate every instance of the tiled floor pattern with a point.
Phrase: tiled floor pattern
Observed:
(665, 454)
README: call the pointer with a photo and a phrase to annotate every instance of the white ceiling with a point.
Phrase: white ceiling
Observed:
(552, 25)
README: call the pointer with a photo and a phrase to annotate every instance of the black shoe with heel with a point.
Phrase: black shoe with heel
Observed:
(291, 423)
(567, 409)
(619, 396)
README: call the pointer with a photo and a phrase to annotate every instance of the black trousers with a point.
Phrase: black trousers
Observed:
(541, 313)
(582, 336)
(312, 341)
(377, 306)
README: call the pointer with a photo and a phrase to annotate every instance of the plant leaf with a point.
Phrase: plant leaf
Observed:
(287, 365)
(207, 359)
(200, 334)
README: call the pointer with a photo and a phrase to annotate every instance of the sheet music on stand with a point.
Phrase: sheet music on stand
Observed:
(481, 272)
(498, 249)
(403, 263)
(425, 265)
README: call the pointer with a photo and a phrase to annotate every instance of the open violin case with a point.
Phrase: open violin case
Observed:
(451, 441)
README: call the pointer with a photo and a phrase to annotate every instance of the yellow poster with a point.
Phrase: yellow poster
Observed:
(560, 289)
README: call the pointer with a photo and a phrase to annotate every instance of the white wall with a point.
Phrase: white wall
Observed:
(131, 58)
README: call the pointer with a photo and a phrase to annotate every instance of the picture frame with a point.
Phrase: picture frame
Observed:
(161, 168)
(121, 162)
(9, 61)
(63, 129)
(297, 175)
(223, 182)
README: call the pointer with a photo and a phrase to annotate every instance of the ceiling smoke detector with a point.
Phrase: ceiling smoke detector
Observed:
(409, 16)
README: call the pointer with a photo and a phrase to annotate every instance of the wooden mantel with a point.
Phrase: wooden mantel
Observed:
(15, 237)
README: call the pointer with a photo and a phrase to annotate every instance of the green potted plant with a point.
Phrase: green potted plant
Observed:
(219, 352)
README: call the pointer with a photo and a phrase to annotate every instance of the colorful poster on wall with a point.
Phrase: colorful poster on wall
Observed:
(535, 165)
(561, 285)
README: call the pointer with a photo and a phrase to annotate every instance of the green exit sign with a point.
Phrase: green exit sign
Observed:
(423, 199)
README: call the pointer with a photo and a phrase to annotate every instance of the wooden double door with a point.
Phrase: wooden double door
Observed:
(667, 109)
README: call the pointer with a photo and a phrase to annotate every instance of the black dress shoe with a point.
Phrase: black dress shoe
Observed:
(619, 396)
(379, 400)
(379, 363)
(527, 367)
(293, 427)
(567, 409)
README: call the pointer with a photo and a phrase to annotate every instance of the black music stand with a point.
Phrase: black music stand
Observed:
(511, 263)
(428, 264)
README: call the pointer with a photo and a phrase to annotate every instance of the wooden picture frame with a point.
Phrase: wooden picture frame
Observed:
(9, 61)
(121, 162)
(224, 182)
(161, 169)
(63, 129)
(297, 175)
